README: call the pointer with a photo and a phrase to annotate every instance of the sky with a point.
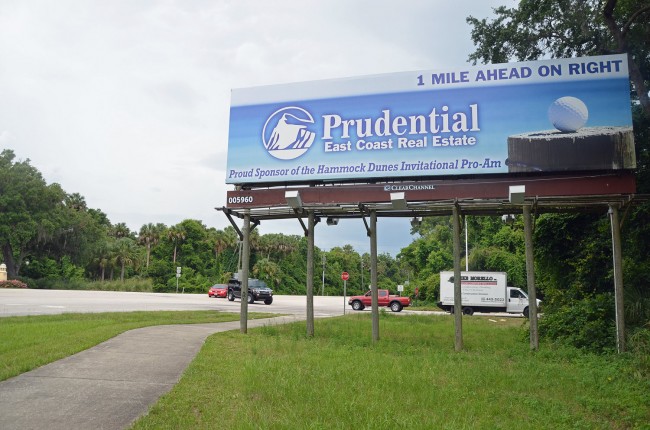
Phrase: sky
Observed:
(126, 102)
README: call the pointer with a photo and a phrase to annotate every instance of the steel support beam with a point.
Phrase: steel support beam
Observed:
(373, 276)
(310, 274)
(572, 188)
(298, 213)
(618, 278)
(243, 316)
(530, 278)
(458, 306)
(229, 213)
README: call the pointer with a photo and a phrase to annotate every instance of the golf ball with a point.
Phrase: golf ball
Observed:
(568, 114)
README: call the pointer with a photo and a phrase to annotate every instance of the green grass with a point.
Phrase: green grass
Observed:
(277, 378)
(32, 341)
(419, 305)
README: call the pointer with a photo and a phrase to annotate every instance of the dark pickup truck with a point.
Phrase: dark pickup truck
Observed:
(257, 290)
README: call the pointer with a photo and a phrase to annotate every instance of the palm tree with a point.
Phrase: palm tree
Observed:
(268, 271)
(76, 201)
(231, 241)
(149, 236)
(124, 253)
(288, 244)
(120, 230)
(230, 237)
(217, 241)
(176, 234)
(266, 244)
(103, 257)
(254, 240)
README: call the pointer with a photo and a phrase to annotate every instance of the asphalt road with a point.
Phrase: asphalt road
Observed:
(19, 302)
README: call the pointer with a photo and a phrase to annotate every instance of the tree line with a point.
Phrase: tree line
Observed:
(62, 238)
(572, 251)
(47, 234)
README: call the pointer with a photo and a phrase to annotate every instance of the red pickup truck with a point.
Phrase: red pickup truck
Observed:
(395, 303)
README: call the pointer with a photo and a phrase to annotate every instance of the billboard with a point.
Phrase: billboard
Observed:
(540, 116)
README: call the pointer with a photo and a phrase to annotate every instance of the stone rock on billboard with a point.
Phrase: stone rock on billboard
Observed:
(571, 146)
(603, 148)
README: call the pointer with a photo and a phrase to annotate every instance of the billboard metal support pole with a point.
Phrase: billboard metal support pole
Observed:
(618, 278)
(345, 288)
(530, 279)
(466, 246)
(310, 274)
(373, 275)
(458, 313)
(243, 316)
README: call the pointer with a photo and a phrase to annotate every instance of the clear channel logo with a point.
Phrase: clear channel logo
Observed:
(286, 133)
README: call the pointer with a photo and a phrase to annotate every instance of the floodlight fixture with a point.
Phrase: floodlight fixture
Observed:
(416, 221)
(516, 194)
(293, 199)
(398, 200)
(508, 219)
(332, 220)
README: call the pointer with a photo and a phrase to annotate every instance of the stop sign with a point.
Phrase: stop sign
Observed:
(345, 276)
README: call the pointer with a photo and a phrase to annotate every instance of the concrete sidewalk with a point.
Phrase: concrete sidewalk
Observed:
(110, 385)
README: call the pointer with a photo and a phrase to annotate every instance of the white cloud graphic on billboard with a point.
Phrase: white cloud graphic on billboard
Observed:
(289, 134)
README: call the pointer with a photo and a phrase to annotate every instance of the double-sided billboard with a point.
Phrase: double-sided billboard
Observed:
(543, 116)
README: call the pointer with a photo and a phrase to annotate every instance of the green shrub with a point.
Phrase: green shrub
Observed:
(141, 285)
(12, 284)
(639, 345)
(637, 304)
(164, 288)
(587, 324)
(136, 284)
(52, 283)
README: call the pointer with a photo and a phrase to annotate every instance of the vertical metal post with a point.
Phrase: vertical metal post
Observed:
(245, 261)
(322, 291)
(458, 307)
(530, 279)
(345, 288)
(362, 287)
(618, 278)
(466, 247)
(310, 274)
(373, 276)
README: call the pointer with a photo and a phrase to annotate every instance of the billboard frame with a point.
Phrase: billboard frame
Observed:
(485, 196)
(617, 192)
(280, 134)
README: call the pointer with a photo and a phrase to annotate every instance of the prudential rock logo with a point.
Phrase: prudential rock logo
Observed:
(286, 133)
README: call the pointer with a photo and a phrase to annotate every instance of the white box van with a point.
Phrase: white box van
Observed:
(483, 292)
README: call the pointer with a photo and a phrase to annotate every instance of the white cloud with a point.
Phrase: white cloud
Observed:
(127, 102)
(6, 137)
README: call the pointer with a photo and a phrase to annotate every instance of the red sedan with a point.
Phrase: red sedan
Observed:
(218, 290)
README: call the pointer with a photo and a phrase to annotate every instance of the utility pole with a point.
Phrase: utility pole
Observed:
(466, 247)
(322, 291)
(362, 289)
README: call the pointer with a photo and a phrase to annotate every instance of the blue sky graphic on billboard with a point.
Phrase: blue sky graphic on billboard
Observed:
(555, 115)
